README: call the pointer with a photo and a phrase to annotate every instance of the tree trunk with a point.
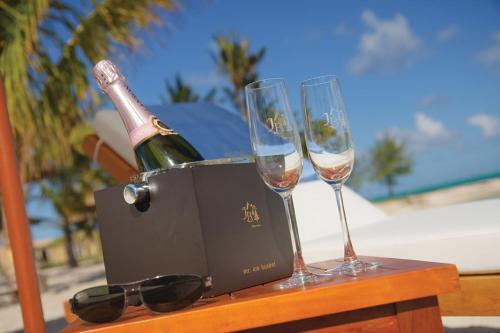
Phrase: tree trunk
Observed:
(238, 100)
(390, 186)
(68, 242)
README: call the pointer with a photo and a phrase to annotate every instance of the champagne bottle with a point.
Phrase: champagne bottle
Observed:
(155, 144)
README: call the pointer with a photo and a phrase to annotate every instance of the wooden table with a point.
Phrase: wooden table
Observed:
(401, 296)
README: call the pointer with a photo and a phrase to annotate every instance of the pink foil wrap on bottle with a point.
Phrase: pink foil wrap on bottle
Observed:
(143, 132)
(138, 121)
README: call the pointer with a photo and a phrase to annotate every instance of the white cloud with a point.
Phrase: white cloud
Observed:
(427, 133)
(491, 55)
(388, 45)
(432, 130)
(447, 33)
(214, 78)
(432, 100)
(489, 125)
(342, 30)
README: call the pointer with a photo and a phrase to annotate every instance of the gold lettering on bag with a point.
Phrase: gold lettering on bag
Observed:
(259, 268)
(251, 214)
(267, 266)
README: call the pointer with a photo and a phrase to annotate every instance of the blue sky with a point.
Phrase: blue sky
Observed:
(427, 72)
(424, 71)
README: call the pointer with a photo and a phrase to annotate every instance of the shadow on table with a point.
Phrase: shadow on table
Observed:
(472, 330)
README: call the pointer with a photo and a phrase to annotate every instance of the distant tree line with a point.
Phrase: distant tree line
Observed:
(390, 159)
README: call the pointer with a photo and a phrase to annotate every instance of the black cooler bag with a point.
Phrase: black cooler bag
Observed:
(210, 219)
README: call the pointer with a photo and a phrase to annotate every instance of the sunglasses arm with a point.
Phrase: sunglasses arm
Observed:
(72, 305)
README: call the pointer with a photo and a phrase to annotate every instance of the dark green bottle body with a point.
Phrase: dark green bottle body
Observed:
(164, 152)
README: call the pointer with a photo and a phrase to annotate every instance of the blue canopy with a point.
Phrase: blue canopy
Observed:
(213, 131)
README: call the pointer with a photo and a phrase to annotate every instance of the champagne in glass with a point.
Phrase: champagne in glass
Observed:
(278, 155)
(331, 150)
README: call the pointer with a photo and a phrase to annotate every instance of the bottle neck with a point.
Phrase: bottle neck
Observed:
(137, 120)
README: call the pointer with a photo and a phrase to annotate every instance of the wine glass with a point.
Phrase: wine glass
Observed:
(331, 150)
(278, 155)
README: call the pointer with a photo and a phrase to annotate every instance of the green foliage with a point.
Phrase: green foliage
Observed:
(303, 144)
(235, 60)
(322, 133)
(78, 135)
(390, 160)
(45, 73)
(359, 172)
(181, 92)
(71, 193)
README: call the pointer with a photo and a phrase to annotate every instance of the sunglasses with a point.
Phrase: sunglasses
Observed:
(159, 294)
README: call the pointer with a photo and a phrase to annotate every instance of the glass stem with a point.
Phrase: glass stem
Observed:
(299, 267)
(349, 254)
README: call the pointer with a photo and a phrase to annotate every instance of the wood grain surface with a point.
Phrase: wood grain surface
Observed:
(109, 160)
(479, 296)
(377, 295)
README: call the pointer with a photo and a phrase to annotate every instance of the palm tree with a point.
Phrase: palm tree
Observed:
(181, 92)
(45, 73)
(360, 171)
(234, 59)
(71, 193)
(390, 160)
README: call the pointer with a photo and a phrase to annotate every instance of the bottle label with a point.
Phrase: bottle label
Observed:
(152, 127)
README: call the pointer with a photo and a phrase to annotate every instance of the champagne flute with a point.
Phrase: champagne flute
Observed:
(278, 154)
(331, 150)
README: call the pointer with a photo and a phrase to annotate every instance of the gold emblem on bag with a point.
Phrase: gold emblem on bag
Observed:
(251, 214)
(162, 128)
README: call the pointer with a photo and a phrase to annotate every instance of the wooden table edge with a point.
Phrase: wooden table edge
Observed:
(277, 307)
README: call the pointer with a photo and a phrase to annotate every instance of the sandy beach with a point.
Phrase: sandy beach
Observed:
(62, 284)
(479, 190)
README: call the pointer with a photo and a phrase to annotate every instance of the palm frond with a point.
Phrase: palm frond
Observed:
(235, 60)
(48, 91)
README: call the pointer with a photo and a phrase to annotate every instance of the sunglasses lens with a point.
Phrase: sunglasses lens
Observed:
(173, 292)
(99, 304)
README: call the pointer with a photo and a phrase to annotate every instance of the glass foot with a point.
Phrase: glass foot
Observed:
(352, 267)
(298, 280)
